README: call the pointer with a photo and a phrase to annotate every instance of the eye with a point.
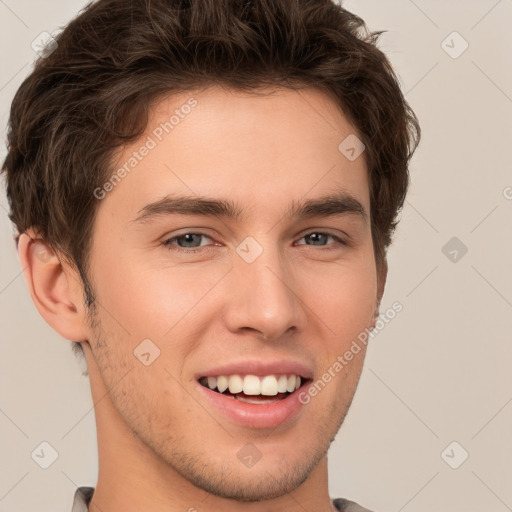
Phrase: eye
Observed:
(317, 237)
(187, 242)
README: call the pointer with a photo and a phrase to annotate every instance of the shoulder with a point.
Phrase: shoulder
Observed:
(82, 498)
(344, 505)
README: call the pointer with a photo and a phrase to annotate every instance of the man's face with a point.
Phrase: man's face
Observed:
(290, 293)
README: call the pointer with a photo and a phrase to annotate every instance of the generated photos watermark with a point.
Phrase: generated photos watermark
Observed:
(343, 360)
(152, 141)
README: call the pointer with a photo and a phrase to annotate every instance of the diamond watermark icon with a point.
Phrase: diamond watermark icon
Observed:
(454, 249)
(146, 352)
(454, 45)
(351, 147)
(454, 455)
(44, 455)
(249, 249)
(249, 455)
(41, 252)
(44, 44)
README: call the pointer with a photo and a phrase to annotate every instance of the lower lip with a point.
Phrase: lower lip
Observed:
(264, 415)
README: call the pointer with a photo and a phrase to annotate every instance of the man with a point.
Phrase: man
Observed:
(204, 194)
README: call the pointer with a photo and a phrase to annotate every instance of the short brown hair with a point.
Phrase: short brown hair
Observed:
(91, 95)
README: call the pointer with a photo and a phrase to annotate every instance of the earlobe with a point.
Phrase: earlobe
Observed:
(53, 290)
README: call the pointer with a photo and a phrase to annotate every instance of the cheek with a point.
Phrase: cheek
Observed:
(343, 297)
(153, 300)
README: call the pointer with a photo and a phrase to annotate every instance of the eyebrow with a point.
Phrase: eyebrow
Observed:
(341, 203)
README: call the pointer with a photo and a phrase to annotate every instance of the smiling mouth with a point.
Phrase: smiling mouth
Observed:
(253, 389)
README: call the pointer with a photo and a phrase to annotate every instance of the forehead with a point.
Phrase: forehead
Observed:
(263, 149)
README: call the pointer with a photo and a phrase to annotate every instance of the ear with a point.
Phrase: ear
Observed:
(382, 274)
(55, 288)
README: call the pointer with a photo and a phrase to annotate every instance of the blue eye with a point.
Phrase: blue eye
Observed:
(187, 242)
(188, 238)
(316, 236)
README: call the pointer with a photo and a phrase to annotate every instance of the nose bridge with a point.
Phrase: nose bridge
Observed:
(263, 298)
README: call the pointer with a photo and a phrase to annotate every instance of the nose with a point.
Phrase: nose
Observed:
(263, 297)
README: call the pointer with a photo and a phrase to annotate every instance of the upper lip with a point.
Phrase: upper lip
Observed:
(259, 368)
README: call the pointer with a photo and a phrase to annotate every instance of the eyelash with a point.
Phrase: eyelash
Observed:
(168, 243)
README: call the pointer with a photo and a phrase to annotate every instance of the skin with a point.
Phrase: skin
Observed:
(156, 434)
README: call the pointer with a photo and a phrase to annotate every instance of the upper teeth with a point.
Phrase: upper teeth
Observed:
(268, 385)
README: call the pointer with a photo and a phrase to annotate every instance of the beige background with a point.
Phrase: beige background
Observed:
(438, 373)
